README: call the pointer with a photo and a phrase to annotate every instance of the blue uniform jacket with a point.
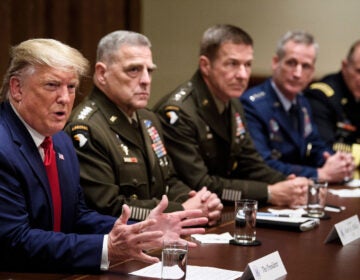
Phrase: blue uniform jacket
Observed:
(280, 145)
(27, 241)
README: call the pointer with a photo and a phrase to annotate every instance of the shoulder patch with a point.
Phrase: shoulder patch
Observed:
(171, 113)
(325, 88)
(80, 135)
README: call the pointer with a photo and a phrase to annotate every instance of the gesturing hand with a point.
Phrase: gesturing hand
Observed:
(176, 224)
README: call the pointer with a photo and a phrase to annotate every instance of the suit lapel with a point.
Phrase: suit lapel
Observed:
(28, 149)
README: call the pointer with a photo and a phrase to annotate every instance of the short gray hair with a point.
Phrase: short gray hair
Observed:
(299, 37)
(42, 52)
(110, 44)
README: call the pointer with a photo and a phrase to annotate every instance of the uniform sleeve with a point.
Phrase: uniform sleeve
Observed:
(324, 116)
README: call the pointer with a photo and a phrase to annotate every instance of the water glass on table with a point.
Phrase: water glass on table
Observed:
(317, 193)
(174, 259)
(245, 221)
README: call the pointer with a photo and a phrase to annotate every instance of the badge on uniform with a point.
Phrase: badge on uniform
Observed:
(275, 134)
(125, 149)
(240, 128)
(80, 135)
(171, 113)
(157, 145)
(307, 122)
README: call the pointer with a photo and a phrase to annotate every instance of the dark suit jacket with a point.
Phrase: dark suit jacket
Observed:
(27, 241)
(282, 147)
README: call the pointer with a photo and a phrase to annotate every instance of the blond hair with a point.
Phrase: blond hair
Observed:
(43, 52)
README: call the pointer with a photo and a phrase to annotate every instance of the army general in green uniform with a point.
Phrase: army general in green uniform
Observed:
(119, 143)
(205, 129)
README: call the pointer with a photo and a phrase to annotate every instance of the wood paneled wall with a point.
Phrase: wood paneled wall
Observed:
(78, 23)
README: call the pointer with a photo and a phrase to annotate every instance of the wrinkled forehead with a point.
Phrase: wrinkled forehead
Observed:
(300, 51)
(45, 73)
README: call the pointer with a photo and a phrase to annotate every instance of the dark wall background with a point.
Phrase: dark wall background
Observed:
(78, 23)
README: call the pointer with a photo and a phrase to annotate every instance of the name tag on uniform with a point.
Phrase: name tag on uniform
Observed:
(347, 230)
(130, 159)
(269, 267)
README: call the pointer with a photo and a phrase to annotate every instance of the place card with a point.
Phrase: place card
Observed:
(269, 267)
(347, 230)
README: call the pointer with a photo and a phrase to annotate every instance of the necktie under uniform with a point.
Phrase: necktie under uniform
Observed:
(53, 177)
(294, 115)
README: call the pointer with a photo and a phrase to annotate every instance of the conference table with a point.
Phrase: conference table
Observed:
(304, 254)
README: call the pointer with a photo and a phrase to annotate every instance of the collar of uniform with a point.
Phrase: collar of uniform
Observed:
(130, 119)
(286, 103)
(220, 105)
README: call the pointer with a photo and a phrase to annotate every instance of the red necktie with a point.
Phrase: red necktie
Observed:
(53, 177)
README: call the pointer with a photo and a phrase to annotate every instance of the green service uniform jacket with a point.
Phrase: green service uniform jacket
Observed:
(122, 164)
(209, 149)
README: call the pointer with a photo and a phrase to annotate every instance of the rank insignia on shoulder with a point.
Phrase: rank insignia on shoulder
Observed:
(257, 96)
(325, 88)
(179, 95)
(84, 113)
(113, 118)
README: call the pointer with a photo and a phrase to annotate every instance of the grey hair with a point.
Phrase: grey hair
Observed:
(299, 37)
(110, 44)
(352, 49)
(42, 52)
(219, 34)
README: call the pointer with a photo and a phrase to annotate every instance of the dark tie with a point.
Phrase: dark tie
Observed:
(225, 115)
(294, 115)
(53, 177)
(134, 123)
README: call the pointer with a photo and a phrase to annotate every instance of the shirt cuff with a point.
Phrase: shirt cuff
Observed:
(104, 255)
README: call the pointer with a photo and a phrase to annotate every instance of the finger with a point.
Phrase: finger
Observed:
(125, 214)
(191, 213)
(214, 203)
(192, 193)
(205, 196)
(146, 258)
(194, 222)
(147, 237)
(143, 226)
(190, 231)
(161, 206)
(291, 176)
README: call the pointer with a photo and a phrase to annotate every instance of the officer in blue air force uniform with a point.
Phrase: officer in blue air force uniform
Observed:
(280, 119)
(284, 148)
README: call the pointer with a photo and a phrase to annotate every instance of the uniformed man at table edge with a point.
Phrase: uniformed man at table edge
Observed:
(119, 141)
(206, 132)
